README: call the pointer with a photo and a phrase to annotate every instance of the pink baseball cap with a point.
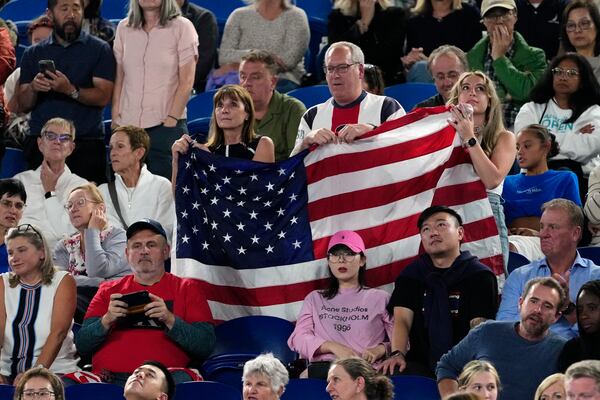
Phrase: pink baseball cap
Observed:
(347, 238)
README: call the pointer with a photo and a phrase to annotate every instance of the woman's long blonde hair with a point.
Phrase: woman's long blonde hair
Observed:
(36, 239)
(494, 125)
(424, 6)
(350, 7)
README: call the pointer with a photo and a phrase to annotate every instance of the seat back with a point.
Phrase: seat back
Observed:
(221, 9)
(409, 94)
(255, 334)
(515, 260)
(311, 95)
(114, 9)
(7, 391)
(22, 10)
(201, 105)
(13, 162)
(94, 391)
(206, 390)
(408, 387)
(302, 389)
(591, 253)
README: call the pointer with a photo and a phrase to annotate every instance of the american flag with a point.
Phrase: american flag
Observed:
(257, 233)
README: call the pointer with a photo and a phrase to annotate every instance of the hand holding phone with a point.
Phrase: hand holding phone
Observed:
(45, 66)
(136, 301)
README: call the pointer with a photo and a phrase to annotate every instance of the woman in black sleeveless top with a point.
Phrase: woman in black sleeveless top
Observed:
(231, 131)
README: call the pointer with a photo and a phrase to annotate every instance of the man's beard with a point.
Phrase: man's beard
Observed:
(69, 36)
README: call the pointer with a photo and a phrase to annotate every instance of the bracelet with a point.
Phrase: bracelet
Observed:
(170, 116)
(397, 353)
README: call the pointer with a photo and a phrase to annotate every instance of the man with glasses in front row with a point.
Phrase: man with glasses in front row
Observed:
(12, 203)
(351, 112)
(506, 58)
(49, 185)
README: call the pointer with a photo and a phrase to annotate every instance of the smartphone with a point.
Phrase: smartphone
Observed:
(136, 301)
(46, 65)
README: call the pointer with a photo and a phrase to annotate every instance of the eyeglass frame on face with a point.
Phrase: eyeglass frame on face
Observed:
(20, 206)
(340, 68)
(452, 75)
(497, 17)
(583, 25)
(569, 73)
(37, 394)
(62, 137)
(340, 257)
(79, 203)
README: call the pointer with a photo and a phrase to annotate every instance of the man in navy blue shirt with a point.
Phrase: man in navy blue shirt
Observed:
(77, 90)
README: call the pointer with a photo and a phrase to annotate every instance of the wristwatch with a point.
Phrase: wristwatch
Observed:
(49, 194)
(75, 93)
(469, 143)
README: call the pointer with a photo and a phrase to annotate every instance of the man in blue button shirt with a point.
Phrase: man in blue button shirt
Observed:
(560, 230)
(77, 90)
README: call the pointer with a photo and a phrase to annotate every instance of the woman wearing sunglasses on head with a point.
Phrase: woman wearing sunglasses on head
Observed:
(96, 252)
(37, 306)
(566, 101)
(347, 318)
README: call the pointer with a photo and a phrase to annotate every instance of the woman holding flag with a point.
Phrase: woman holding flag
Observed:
(476, 114)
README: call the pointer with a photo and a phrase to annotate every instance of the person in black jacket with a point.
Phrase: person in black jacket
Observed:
(205, 24)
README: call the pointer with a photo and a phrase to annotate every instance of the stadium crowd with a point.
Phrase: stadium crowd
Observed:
(86, 230)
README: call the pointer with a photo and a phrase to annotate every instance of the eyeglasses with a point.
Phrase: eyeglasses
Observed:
(37, 394)
(569, 73)
(497, 16)
(79, 203)
(453, 76)
(24, 228)
(341, 256)
(583, 25)
(62, 137)
(340, 69)
(19, 205)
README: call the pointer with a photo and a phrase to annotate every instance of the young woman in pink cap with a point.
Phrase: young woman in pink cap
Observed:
(347, 318)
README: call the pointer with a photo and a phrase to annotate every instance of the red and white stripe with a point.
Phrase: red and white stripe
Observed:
(376, 186)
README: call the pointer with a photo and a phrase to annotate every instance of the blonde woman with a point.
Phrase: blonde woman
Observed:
(376, 27)
(551, 388)
(491, 147)
(481, 378)
(41, 302)
(96, 252)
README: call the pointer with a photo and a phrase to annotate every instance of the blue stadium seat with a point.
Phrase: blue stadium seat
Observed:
(409, 94)
(221, 9)
(7, 391)
(591, 253)
(94, 391)
(407, 387)
(23, 10)
(261, 334)
(199, 127)
(311, 95)
(201, 105)
(13, 162)
(516, 260)
(317, 11)
(302, 389)
(114, 9)
(205, 390)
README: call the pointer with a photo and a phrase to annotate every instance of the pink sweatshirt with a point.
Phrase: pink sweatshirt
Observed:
(355, 318)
